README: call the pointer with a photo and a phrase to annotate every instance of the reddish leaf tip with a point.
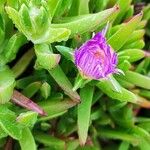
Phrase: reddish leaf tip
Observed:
(147, 53)
(116, 7)
(25, 102)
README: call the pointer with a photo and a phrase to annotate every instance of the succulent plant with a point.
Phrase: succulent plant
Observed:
(74, 74)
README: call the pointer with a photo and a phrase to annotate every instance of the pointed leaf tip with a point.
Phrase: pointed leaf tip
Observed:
(25, 102)
(117, 7)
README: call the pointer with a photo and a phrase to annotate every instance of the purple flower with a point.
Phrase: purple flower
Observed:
(95, 59)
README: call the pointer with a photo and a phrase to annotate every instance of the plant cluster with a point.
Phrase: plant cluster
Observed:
(74, 74)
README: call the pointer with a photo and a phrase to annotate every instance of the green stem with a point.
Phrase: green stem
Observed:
(23, 63)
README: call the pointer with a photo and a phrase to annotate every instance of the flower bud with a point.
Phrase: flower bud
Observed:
(95, 59)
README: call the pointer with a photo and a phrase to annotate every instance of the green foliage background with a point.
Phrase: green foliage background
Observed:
(37, 40)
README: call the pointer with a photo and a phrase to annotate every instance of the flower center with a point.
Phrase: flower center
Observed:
(99, 55)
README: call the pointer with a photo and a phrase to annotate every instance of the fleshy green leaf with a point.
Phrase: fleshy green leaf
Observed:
(109, 90)
(119, 134)
(24, 82)
(3, 133)
(26, 25)
(147, 12)
(25, 18)
(144, 145)
(137, 79)
(143, 66)
(79, 82)
(66, 51)
(74, 10)
(136, 35)
(115, 84)
(55, 108)
(53, 5)
(124, 83)
(124, 116)
(84, 112)
(145, 93)
(31, 89)
(142, 24)
(8, 123)
(124, 5)
(7, 83)
(72, 144)
(64, 83)
(125, 65)
(23, 63)
(130, 12)
(45, 90)
(14, 15)
(27, 119)
(124, 146)
(49, 140)
(139, 44)
(121, 36)
(2, 29)
(27, 141)
(53, 35)
(134, 54)
(83, 24)
(13, 45)
(45, 58)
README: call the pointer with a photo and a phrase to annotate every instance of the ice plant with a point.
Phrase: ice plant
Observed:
(95, 59)
(46, 103)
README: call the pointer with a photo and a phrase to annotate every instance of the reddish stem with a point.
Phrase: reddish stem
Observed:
(136, 111)
(25, 102)
(147, 53)
(9, 144)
